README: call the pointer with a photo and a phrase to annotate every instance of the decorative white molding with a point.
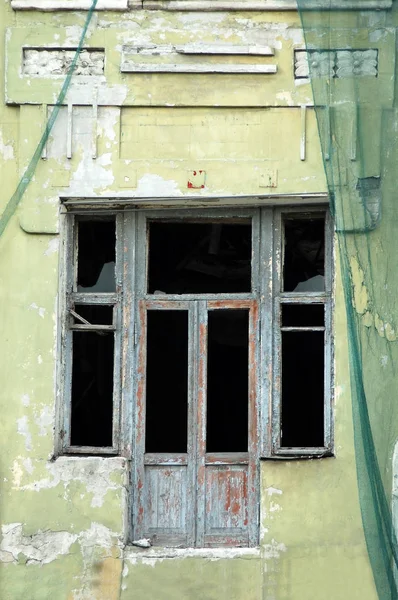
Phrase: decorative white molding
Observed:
(176, 59)
(230, 49)
(43, 62)
(58, 5)
(360, 63)
(194, 5)
(198, 68)
(335, 63)
(213, 5)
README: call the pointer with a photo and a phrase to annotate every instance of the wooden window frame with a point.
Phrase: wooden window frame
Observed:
(131, 300)
(281, 297)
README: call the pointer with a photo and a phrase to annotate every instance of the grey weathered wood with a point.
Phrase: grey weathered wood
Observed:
(280, 298)
(120, 203)
(196, 475)
(268, 259)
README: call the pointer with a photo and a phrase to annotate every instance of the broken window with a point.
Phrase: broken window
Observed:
(176, 320)
(93, 307)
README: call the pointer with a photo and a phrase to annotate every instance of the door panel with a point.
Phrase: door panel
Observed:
(166, 504)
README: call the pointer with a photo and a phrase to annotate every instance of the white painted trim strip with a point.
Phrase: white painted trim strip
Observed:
(55, 5)
(45, 119)
(198, 68)
(213, 5)
(69, 131)
(303, 141)
(233, 49)
(95, 128)
(199, 5)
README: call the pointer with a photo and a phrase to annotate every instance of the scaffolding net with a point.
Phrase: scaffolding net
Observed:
(350, 59)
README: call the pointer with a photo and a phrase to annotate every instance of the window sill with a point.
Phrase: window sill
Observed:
(133, 553)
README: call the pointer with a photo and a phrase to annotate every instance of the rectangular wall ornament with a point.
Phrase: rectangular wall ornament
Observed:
(177, 59)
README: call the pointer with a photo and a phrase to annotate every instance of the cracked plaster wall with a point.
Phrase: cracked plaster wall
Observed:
(64, 522)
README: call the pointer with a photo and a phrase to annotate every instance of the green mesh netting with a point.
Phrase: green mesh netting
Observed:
(352, 65)
(15, 199)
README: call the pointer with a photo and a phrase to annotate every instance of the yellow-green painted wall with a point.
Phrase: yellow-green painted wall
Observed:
(64, 520)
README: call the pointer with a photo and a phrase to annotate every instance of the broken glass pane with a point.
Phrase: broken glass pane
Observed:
(304, 255)
(95, 314)
(96, 256)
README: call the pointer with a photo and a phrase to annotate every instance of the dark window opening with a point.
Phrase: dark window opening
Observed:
(96, 256)
(227, 381)
(92, 389)
(96, 314)
(303, 315)
(302, 389)
(167, 381)
(304, 255)
(199, 257)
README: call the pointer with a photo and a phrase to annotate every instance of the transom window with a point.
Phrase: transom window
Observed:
(198, 342)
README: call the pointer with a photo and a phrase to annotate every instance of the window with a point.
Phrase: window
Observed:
(198, 342)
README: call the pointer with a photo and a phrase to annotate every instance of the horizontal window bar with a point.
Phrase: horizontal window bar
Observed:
(164, 459)
(304, 298)
(91, 450)
(302, 328)
(221, 296)
(88, 327)
(227, 458)
(229, 303)
(298, 452)
(225, 538)
(83, 298)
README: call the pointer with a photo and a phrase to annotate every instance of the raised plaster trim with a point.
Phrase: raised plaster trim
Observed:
(54, 5)
(261, 4)
(208, 5)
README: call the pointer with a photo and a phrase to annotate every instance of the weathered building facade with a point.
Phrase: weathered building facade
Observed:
(175, 364)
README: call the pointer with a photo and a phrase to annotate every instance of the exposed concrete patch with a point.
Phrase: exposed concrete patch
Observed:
(6, 150)
(23, 429)
(45, 420)
(46, 546)
(42, 547)
(39, 309)
(94, 473)
(152, 556)
(360, 292)
(154, 185)
(273, 550)
(52, 247)
(271, 491)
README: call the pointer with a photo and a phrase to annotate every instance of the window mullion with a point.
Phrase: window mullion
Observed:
(267, 273)
(201, 395)
(193, 342)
